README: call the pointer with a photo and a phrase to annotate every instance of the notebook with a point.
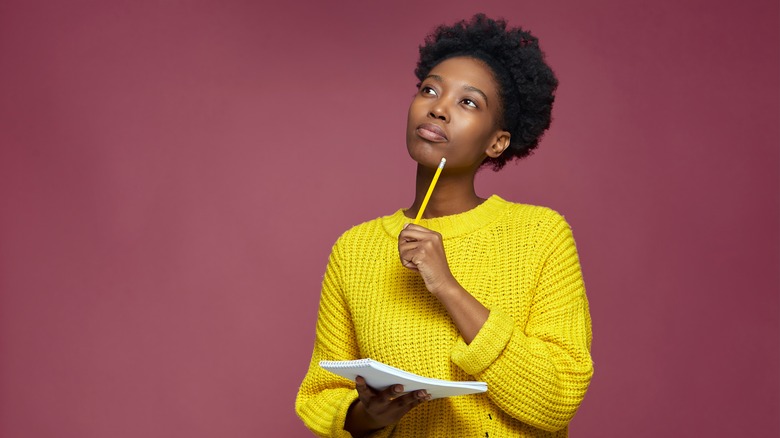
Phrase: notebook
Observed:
(379, 376)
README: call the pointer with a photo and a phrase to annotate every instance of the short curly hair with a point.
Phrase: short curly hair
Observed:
(526, 83)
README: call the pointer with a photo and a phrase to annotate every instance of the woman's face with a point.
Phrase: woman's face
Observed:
(455, 114)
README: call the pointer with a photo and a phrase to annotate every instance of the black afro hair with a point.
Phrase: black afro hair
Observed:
(527, 84)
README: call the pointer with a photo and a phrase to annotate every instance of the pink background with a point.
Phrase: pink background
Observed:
(173, 174)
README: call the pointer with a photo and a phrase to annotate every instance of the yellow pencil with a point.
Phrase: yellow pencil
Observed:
(430, 190)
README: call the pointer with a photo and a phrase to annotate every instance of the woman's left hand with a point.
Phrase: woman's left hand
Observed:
(422, 250)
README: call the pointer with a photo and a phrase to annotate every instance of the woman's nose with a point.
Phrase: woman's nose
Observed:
(437, 112)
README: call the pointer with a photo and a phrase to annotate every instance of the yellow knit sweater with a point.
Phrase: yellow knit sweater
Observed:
(519, 261)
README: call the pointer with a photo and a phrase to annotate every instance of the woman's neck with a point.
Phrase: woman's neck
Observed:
(454, 193)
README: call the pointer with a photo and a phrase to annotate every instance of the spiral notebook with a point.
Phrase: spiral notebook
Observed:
(379, 376)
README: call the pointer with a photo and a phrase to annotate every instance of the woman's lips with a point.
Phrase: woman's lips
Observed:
(431, 132)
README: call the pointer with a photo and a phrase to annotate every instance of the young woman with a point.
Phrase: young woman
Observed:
(482, 289)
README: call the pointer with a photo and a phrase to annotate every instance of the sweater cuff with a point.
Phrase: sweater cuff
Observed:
(490, 341)
(341, 417)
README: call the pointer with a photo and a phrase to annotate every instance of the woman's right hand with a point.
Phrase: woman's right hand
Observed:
(376, 409)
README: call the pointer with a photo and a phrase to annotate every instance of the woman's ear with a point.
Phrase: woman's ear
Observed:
(499, 144)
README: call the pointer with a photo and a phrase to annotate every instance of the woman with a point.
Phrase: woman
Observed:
(481, 289)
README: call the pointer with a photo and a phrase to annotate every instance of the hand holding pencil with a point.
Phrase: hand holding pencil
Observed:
(422, 249)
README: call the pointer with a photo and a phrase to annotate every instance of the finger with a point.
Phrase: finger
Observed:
(419, 395)
(409, 258)
(392, 392)
(415, 252)
(412, 399)
(410, 236)
(413, 227)
(404, 237)
(432, 241)
(407, 252)
(408, 245)
(420, 249)
(415, 233)
(409, 265)
(365, 392)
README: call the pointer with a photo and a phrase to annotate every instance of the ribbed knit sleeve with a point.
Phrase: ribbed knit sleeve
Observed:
(324, 398)
(538, 370)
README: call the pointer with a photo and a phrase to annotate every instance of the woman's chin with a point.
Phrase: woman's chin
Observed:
(429, 160)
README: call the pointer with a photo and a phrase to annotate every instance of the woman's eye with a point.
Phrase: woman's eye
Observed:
(428, 90)
(469, 102)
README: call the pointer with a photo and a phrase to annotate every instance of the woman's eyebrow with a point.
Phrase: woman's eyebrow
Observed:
(476, 90)
(438, 78)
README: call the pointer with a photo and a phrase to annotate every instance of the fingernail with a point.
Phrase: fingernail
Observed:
(398, 388)
(405, 225)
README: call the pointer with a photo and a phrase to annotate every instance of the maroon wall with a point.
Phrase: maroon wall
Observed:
(173, 173)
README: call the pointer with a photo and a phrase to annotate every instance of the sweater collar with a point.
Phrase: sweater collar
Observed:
(454, 225)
